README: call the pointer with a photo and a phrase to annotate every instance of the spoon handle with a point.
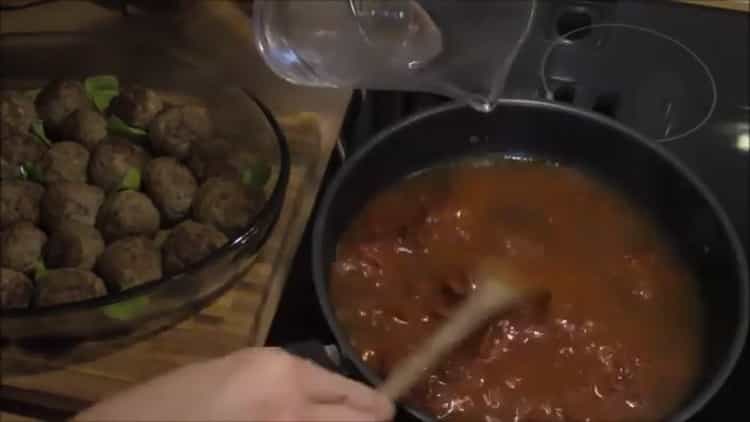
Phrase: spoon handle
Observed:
(484, 302)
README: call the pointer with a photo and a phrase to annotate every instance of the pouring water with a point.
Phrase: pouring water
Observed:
(461, 50)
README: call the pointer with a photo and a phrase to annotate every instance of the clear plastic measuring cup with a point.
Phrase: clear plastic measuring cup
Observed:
(458, 48)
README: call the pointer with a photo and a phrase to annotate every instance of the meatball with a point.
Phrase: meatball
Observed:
(85, 126)
(174, 130)
(17, 112)
(111, 161)
(74, 245)
(206, 154)
(130, 261)
(231, 165)
(67, 201)
(160, 237)
(136, 106)
(65, 162)
(69, 285)
(128, 213)
(226, 204)
(21, 247)
(172, 187)
(19, 201)
(16, 149)
(16, 289)
(58, 100)
(189, 243)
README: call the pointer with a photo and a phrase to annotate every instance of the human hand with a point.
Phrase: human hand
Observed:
(263, 384)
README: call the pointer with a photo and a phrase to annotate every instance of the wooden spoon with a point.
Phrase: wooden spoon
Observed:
(495, 293)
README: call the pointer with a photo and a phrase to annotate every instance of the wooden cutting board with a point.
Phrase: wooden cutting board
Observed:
(739, 5)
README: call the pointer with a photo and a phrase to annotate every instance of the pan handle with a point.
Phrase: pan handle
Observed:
(327, 356)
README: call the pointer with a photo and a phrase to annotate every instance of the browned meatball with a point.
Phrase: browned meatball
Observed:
(226, 204)
(16, 289)
(171, 186)
(69, 285)
(17, 112)
(206, 155)
(19, 201)
(58, 100)
(111, 161)
(86, 126)
(8, 171)
(66, 201)
(234, 164)
(136, 106)
(240, 162)
(16, 149)
(74, 245)
(128, 213)
(189, 243)
(176, 129)
(129, 262)
(65, 162)
(160, 237)
(21, 247)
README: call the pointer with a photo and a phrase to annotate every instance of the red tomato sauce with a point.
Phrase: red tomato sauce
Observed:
(619, 339)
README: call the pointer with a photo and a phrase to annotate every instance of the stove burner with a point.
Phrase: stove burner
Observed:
(644, 78)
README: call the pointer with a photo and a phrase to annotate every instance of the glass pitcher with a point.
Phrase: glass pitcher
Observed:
(459, 48)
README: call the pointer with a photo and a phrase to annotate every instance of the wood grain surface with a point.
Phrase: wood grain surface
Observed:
(10, 417)
(739, 5)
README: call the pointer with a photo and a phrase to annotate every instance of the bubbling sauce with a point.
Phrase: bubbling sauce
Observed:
(619, 339)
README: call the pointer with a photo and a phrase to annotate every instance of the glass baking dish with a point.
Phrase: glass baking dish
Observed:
(30, 60)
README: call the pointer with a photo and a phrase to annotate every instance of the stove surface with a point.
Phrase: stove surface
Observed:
(657, 70)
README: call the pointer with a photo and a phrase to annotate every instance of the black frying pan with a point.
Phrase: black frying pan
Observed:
(626, 160)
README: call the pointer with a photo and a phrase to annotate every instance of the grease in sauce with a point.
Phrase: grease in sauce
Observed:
(619, 340)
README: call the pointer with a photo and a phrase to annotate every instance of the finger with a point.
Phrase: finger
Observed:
(325, 387)
(339, 413)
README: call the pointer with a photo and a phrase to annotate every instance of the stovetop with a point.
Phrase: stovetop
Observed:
(677, 73)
